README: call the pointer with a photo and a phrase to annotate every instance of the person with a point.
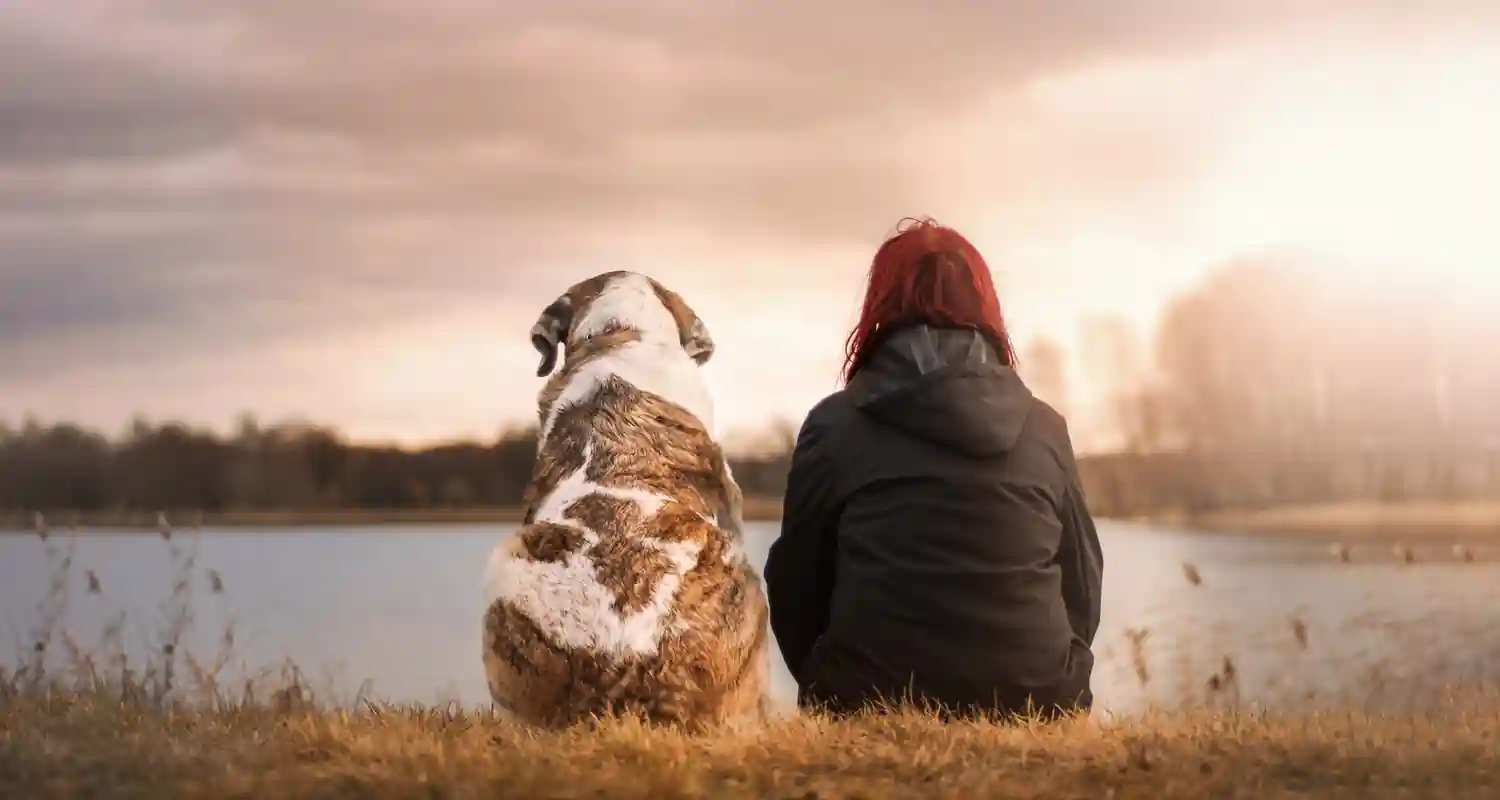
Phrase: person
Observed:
(935, 547)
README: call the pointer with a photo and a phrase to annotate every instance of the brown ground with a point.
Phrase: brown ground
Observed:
(74, 747)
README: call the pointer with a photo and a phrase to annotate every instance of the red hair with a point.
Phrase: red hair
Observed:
(929, 274)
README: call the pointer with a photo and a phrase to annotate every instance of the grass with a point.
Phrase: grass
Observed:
(82, 720)
(90, 746)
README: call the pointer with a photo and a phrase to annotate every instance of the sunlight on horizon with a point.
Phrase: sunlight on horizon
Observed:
(1409, 183)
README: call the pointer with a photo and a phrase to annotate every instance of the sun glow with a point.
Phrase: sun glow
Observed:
(1404, 176)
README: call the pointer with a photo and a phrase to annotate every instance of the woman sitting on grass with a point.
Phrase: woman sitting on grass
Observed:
(935, 546)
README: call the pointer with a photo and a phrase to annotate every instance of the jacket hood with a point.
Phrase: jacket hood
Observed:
(946, 386)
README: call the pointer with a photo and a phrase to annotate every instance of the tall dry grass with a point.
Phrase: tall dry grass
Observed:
(97, 719)
(165, 675)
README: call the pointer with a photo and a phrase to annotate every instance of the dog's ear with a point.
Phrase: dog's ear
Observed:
(551, 331)
(698, 344)
(694, 335)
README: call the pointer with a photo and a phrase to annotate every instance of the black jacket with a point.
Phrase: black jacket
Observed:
(935, 544)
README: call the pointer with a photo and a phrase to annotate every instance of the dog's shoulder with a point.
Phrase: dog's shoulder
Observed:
(633, 374)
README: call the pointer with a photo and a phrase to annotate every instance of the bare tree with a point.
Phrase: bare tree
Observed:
(1114, 362)
(1044, 364)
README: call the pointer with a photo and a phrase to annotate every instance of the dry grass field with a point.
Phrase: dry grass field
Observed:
(72, 744)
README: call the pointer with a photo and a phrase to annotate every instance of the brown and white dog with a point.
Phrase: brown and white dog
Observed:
(627, 589)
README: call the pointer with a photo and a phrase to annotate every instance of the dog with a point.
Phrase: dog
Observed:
(627, 590)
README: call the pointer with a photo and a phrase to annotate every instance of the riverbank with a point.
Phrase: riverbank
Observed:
(72, 746)
(1447, 522)
(755, 510)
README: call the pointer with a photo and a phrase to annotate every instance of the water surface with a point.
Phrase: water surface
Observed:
(398, 609)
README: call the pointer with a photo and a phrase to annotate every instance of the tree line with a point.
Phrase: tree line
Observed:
(290, 466)
(1277, 383)
(1262, 386)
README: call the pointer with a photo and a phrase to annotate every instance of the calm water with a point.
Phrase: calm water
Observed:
(398, 609)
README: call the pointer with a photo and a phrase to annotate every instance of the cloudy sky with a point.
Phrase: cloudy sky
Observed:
(352, 210)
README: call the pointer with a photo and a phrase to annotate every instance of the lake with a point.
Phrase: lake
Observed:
(397, 610)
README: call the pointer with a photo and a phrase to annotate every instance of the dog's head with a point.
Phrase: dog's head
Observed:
(616, 301)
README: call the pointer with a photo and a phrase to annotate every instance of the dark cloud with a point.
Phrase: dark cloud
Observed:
(151, 296)
(70, 302)
(158, 77)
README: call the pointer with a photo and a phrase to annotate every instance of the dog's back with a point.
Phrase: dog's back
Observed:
(622, 592)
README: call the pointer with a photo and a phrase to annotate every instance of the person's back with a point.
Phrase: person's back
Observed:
(935, 543)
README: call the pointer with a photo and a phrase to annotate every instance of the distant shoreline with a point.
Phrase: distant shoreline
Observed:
(1354, 521)
(1418, 521)
(756, 510)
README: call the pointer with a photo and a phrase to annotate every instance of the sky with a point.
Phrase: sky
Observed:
(351, 211)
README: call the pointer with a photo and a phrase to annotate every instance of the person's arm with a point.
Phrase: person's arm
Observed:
(1081, 558)
(799, 568)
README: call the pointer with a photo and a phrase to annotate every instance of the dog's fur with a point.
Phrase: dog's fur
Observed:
(627, 589)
